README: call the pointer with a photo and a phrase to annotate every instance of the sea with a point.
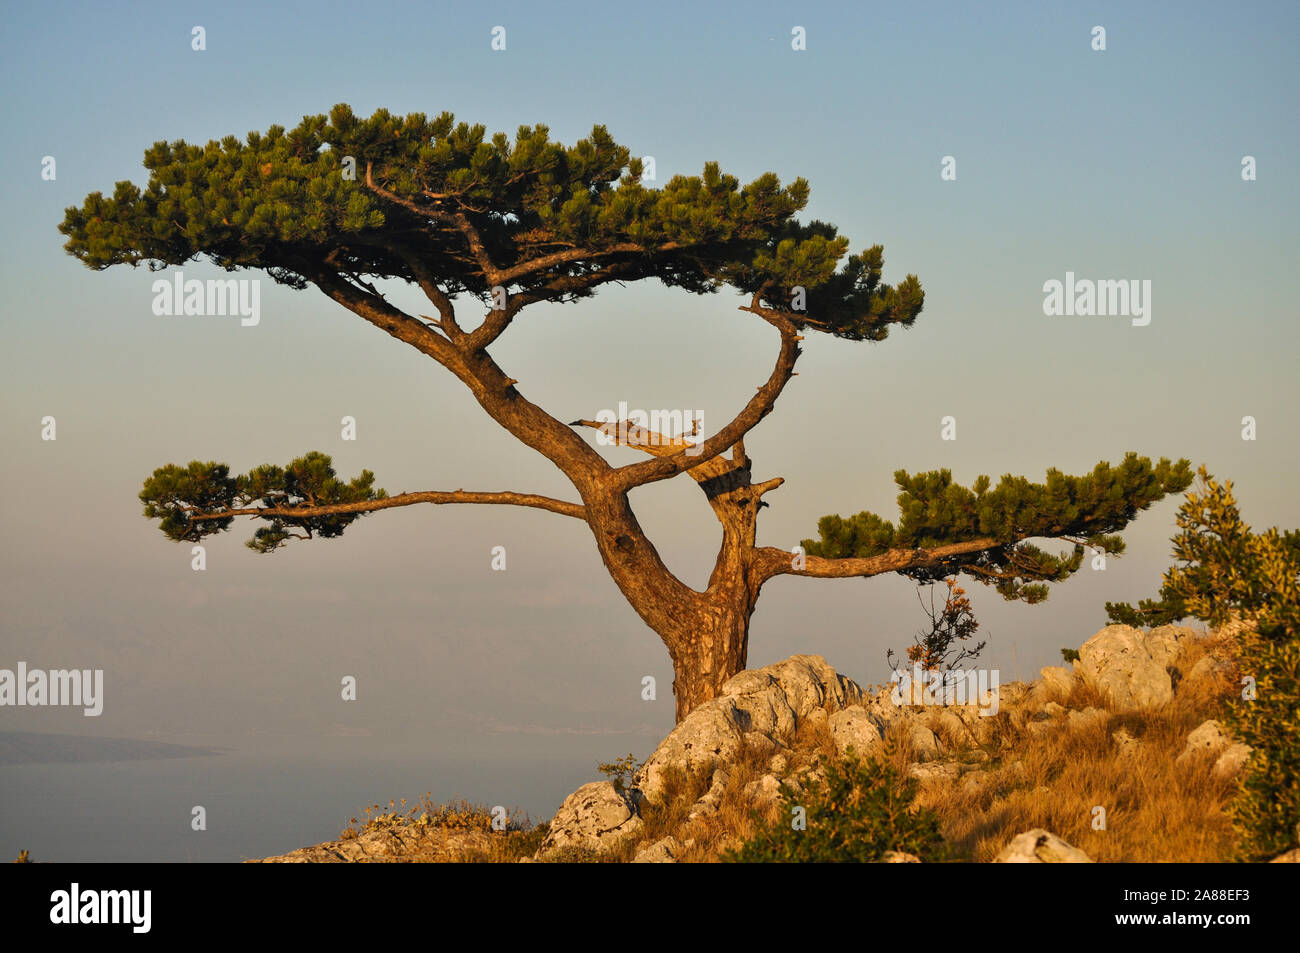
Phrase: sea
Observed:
(254, 805)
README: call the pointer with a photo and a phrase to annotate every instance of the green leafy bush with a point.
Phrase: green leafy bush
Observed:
(1226, 573)
(862, 810)
(621, 771)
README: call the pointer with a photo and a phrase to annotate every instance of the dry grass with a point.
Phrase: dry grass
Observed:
(1156, 810)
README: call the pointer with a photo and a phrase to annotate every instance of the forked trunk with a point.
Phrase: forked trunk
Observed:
(706, 633)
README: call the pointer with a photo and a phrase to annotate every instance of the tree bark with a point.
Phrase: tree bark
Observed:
(710, 647)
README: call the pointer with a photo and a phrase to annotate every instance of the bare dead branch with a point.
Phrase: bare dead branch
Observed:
(758, 407)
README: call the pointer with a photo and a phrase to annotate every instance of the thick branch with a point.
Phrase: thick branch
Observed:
(541, 263)
(494, 391)
(576, 510)
(771, 561)
(383, 315)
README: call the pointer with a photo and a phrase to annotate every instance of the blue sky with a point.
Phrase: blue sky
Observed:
(1116, 164)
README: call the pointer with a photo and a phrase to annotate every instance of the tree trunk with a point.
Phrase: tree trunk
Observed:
(708, 648)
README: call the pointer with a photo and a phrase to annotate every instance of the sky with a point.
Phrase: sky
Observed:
(1122, 163)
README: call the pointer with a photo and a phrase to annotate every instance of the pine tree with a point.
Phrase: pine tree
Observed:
(502, 225)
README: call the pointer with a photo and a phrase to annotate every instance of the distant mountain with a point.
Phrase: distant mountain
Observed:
(32, 747)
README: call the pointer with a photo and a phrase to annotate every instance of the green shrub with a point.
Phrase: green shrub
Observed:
(1227, 573)
(620, 771)
(1070, 655)
(862, 810)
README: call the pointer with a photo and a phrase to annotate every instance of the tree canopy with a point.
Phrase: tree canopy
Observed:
(471, 213)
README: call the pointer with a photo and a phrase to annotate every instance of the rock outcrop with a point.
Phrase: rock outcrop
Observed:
(1129, 666)
(398, 843)
(1209, 739)
(1041, 847)
(762, 710)
(662, 851)
(592, 818)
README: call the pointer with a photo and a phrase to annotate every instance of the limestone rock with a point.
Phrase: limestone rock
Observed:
(760, 707)
(761, 743)
(761, 703)
(401, 841)
(1166, 642)
(809, 682)
(947, 771)
(924, 743)
(1055, 682)
(664, 851)
(709, 734)
(899, 857)
(1012, 693)
(1232, 759)
(1131, 668)
(854, 727)
(1208, 738)
(1208, 668)
(712, 798)
(882, 707)
(1039, 725)
(591, 818)
(1040, 847)
(765, 790)
(951, 729)
(1290, 857)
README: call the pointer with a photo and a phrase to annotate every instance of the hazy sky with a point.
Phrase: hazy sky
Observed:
(1122, 164)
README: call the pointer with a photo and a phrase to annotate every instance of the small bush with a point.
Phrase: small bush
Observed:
(620, 771)
(1070, 655)
(935, 648)
(862, 810)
